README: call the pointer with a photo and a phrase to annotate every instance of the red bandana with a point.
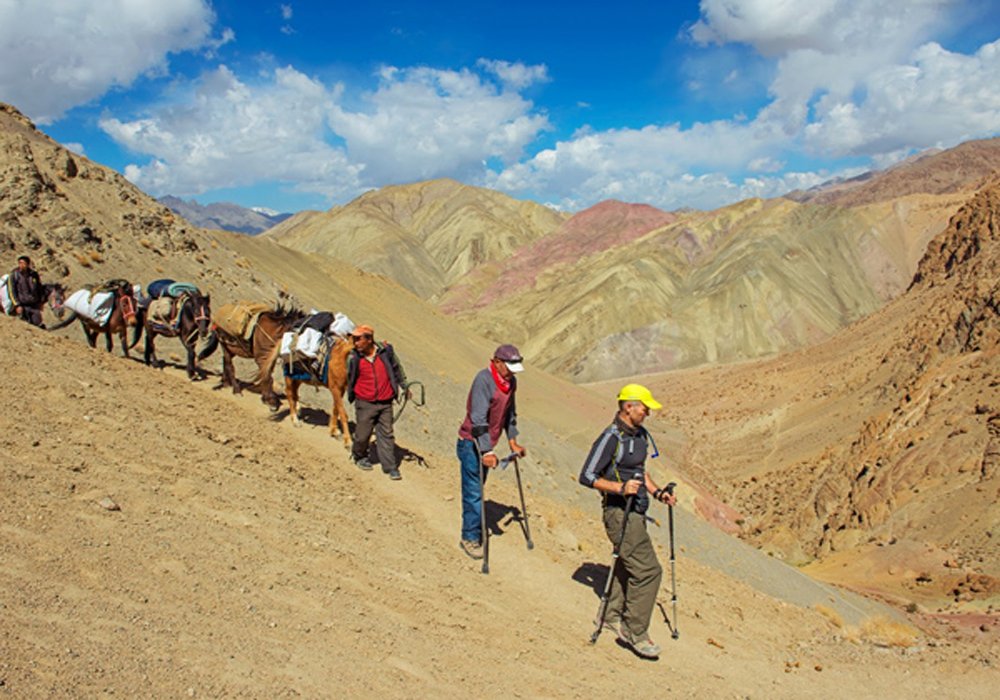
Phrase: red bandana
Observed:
(502, 384)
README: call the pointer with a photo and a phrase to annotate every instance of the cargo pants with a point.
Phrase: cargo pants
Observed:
(637, 576)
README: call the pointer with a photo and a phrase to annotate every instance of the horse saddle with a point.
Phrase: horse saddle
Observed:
(240, 319)
(111, 286)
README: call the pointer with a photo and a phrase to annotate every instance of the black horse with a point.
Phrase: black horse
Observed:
(187, 318)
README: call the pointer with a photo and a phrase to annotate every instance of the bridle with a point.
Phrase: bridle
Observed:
(127, 305)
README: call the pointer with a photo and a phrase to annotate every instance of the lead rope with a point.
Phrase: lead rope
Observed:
(405, 394)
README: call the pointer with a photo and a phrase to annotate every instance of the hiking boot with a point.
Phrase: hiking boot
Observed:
(472, 548)
(646, 648)
(395, 475)
(363, 463)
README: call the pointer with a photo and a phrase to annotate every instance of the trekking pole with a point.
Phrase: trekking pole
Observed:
(602, 611)
(484, 531)
(524, 508)
(674, 632)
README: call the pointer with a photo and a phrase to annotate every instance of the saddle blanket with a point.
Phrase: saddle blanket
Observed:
(5, 299)
(97, 307)
(239, 319)
(169, 288)
(309, 343)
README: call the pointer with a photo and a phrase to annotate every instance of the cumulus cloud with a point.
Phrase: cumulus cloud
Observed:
(423, 122)
(63, 53)
(232, 134)
(515, 75)
(843, 79)
(418, 123)
(852, 78)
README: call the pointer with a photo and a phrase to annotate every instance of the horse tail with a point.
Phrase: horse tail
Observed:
(140, 323)
(65, 322)
(210, 345)
(266, 366)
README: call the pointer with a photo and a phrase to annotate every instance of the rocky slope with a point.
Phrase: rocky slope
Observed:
(197, 549)
(935, 172)
(82, 223)
(425, 235)
(877, 450)
(752, 279)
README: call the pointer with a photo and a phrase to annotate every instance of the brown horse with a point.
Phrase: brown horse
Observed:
(124, 315)
(265, 339)
(336, 382)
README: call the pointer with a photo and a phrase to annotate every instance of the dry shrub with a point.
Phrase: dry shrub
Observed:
(96, 256)
(884, 632)
(146, 243)
(82, 259)
(213, 243)
(831, 615)
(159, 269)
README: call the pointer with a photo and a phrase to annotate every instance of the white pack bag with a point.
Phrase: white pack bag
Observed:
(5, 300)
(308, 343)
(341, 325)
(96, 307)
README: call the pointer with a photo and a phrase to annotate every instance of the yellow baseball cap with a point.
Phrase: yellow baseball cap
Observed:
(637, 392)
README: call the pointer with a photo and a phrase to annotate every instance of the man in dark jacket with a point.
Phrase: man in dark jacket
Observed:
(26, 290)
(489, 410)
(374, 378)
(616, 466)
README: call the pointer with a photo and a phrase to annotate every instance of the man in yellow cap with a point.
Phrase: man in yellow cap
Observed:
(616, 466)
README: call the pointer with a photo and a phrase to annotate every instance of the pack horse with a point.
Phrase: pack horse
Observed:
(254, 331)
(179, 310)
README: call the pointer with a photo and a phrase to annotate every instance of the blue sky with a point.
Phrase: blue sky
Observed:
(678, 104)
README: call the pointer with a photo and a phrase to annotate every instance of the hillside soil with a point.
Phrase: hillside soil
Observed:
(161, 538)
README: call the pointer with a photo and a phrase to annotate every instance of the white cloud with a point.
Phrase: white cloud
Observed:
(232, 134)
(62, 53)
(516, 76)
(668, 166)
(940, 98)
(854, 78)
(422, 123)
(419, 123)
(847, 78)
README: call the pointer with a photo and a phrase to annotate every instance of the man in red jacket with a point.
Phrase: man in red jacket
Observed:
(374, 378)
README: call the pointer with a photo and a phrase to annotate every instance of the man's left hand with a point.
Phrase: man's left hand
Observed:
(517, 449)
(667, 497)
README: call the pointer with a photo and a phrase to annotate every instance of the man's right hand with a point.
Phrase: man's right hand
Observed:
(632, 487)
(490, 460)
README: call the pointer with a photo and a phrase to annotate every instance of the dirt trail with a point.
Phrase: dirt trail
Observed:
(248, 558)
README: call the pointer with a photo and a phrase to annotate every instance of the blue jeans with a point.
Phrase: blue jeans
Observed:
(472, 495)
